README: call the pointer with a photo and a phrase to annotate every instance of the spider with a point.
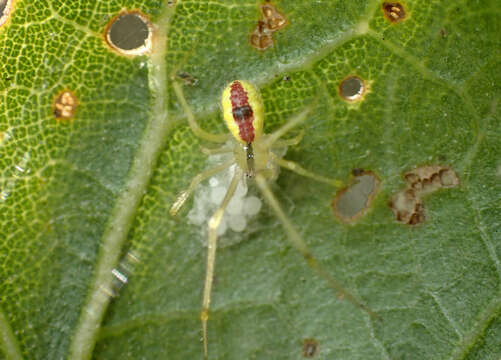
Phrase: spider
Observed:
(255, 157)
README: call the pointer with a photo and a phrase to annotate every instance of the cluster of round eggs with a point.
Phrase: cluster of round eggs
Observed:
(241, 208)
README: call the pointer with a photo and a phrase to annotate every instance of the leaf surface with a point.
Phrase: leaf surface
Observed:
(76, 196)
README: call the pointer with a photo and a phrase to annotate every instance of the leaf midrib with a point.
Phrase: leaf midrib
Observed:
(9, 343)
(124, 211)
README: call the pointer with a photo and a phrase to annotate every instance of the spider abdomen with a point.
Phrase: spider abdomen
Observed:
(243, 111)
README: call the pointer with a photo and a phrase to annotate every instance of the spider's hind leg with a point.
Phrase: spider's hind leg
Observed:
(300, 245)
(274, 141)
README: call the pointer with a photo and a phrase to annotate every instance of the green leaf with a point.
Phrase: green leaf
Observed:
(77, 196)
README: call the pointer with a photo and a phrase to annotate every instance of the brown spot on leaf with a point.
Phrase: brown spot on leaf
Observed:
(407, 204)
(426, 179)
(261, 38)
(188, 79)
(394, 11)
(352, 202)
(272, 20)
(357, 171)
(65, 105)
(129, 33)
(310, 348)
(407, 207)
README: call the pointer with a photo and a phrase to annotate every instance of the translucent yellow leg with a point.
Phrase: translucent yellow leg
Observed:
(294, 121)
(183, 196)
(214, 151)
(197, 130)
(289, 142)
(299, 244)
(214, 222)
(293, 166)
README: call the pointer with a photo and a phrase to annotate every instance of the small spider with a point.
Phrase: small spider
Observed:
(254, 157)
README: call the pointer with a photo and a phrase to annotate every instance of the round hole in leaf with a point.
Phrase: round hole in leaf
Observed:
(352, 88)
(129, 33)
(5, 10)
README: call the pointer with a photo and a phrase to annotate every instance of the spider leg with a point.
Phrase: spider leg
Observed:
(219, 150)
(214, 222)
(293, 122)
(197, 130)
(300, 245)
(183, 196)
(289, 142)
(293, 166)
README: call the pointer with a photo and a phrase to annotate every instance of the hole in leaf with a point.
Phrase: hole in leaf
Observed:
(407, 204)
(394, 11)
(352, 202)
(65, 105)
(310, 348)
(352, 88)
(129, 33)
(5, 9)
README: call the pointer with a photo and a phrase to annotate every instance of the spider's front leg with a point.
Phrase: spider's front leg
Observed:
(298, 169)
(197, 130)
(184, 195)
(274, 140)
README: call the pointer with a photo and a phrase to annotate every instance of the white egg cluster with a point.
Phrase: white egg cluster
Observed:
(210, 195)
